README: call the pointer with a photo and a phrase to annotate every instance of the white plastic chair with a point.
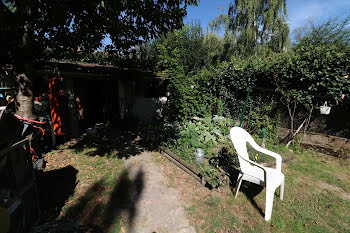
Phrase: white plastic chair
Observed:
(253, 172)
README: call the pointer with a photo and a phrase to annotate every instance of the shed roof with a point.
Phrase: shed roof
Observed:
(93, 69)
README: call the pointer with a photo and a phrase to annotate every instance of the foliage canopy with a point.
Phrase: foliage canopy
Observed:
(65, 27)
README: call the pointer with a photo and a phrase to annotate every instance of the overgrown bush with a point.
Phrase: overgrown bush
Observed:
(193, 95)
(292, 83)
(265, 116)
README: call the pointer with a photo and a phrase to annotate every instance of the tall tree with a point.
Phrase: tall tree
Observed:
(227, 43)
(58, 28)
(259, 22)
(334, 31)
(182, 51)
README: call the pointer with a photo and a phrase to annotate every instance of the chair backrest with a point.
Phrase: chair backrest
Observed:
(239, 138)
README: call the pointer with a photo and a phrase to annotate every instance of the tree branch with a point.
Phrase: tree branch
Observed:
(296, 132)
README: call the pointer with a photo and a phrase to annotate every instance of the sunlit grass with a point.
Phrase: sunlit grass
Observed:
(307, 206)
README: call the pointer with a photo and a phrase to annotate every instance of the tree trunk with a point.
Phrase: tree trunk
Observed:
(23, 64)
(24, 96)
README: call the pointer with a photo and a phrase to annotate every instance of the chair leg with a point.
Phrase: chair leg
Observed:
(270, 193)
(238, 185)
(282, 190)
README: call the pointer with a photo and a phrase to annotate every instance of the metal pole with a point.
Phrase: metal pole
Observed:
(245, 105)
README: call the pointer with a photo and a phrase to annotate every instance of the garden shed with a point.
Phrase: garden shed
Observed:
(89, 93)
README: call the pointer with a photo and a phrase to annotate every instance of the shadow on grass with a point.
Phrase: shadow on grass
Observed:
(101, 209)
(115, 142)
(54, 189)
(112, 143)
(228, 161)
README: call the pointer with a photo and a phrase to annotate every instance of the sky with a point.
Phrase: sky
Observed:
(299, 11)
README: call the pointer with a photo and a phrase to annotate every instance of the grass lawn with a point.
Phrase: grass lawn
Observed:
(94, 191)
(317, 199)
(90, 185)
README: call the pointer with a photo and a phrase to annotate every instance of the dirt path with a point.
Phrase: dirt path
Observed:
(158, 207)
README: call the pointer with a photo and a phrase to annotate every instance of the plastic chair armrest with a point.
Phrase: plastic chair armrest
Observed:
(256, 164)
(270, 153)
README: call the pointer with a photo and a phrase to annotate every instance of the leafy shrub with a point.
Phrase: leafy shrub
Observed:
(192, 96)
(265, 116)
(206, 133)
